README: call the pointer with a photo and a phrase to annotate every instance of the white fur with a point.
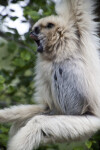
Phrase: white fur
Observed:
(19, 113)
(32, 129)
(55, 128)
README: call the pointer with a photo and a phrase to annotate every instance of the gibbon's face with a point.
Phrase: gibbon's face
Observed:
(47, 33)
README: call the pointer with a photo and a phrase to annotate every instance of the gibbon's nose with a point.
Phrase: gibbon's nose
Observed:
(33, 35)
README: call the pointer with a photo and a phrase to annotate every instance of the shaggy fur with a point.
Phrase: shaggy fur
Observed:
(67, 81)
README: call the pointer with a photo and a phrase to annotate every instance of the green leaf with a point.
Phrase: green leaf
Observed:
(11, 46)
(1, 87)
(2, 44)
(79, 148)
(32, 13)
(2, 79)
(13, 18)
(10, 89)
(88, 144)
(25, 55)
(19, 62)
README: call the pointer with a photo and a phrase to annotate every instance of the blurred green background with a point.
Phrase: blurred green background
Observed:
(17, 61)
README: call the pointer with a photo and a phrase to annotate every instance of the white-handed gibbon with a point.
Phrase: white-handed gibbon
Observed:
(67, 80)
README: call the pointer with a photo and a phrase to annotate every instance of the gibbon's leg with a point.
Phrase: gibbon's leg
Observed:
(16, 126)
(20, 113)
(45, 129)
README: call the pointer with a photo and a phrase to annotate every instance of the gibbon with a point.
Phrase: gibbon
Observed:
(67, 81)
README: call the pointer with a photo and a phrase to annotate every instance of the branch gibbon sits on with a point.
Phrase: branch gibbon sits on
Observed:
(67, 80)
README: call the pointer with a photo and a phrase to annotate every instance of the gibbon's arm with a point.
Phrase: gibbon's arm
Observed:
(82, 11)
(47, 129)
(19, 113)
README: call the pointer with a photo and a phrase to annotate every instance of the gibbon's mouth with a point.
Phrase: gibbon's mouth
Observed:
(37, 40)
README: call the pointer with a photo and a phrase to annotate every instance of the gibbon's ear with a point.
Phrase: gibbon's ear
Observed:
(62, 7)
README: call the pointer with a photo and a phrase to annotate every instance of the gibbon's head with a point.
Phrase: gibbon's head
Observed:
(48, 33)
(52, 34)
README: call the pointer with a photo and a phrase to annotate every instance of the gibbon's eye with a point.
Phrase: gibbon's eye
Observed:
(50, 25)
(37, 30)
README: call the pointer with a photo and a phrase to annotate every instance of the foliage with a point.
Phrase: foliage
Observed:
(17, 61)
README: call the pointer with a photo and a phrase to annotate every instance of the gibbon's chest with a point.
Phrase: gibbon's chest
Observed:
(43, 82)
(45, 71)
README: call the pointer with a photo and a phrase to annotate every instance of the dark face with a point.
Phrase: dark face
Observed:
(36, 33)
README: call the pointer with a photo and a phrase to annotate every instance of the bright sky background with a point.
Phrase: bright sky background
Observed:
(21, 27)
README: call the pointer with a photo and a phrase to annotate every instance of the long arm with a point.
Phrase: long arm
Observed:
(47, 129)
(20, 113)
(83, 13)
(78, 80)
(81, 10)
